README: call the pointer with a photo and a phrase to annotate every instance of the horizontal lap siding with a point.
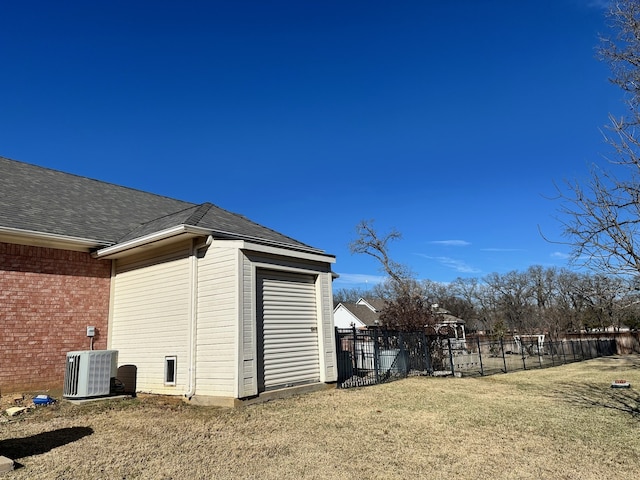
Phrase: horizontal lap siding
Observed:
(217, 322)
(150, 320)
(248, 384)
(327, 335)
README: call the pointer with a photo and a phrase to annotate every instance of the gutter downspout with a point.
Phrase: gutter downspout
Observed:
(193, 320)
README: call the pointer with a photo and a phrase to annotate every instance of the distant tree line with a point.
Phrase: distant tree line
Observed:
(550, 300)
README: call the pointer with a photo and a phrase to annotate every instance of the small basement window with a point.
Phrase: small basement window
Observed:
(170, 370)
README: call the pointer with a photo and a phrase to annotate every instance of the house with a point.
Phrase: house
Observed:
(203, 302)
(365, 313)
(362, 314)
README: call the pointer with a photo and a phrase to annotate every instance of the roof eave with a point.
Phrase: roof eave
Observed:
(272, 243)
(169, 235)
(50, 240)
(275, 249)
(181, 232)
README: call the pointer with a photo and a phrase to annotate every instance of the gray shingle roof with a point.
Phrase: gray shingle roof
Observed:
(362, 313)
(376, 303)
(53, 202)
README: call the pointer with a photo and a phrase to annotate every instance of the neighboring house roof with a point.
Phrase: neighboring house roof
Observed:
(367, 311)
(362, 313)
(364, 310)
(375, 304)
(37, 199)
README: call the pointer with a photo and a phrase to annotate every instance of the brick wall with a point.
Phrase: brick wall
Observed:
(48, 297)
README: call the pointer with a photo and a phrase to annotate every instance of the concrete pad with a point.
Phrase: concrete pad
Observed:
(80, 401)
(211, 401)
(6, 465)
(285, 393)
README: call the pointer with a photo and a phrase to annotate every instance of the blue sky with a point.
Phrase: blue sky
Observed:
(447, 120)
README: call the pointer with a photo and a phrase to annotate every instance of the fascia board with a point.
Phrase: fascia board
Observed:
(286, 252)
(52, 240)
(262, 241)
(181, 231)
(362, 301)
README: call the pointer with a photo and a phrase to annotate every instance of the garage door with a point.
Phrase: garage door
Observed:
(287, 318)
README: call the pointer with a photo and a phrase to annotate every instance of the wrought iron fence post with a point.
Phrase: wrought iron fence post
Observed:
(588, 349)
(539, 354)
(403, 366)
(453, 367)
(339, 356)
(504, 360)
(376, 356)
(480, 356)
(564, 354)
(522, 349)
(553, 363)
(355, 350)
(427, 353)
(581, 350)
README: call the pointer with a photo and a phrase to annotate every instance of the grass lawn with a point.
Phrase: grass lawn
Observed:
(557, 423)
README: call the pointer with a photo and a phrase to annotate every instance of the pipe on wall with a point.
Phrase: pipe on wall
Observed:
(193, 320)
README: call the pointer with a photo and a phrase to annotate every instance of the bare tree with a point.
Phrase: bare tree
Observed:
(569, 304)
(601, 218)
(409, 312)
(404, 308)
(474, 294)
(369, 242)
(435, 292)
(513, 294)
(447, 296)
(351, 295)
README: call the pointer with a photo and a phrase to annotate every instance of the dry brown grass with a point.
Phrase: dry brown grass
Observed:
(559, 423)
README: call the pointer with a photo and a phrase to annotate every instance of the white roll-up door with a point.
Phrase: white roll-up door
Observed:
(288, 330)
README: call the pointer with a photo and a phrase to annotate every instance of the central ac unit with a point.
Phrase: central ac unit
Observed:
(88, 373)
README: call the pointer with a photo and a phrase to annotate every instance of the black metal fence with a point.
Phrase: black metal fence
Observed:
(486, 357)
(368, 357)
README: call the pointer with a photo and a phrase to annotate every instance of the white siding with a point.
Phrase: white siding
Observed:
(156, 293)
(327, 336)
(248, 384)
(151, 307)
(343, 318)
(217, 344)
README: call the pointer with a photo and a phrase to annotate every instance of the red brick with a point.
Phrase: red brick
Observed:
(47, 299)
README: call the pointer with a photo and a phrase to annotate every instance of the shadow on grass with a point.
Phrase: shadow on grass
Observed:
(614, 363)
(624, 400)
(15, 448)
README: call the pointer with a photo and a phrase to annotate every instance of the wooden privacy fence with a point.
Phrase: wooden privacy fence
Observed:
(368, 357)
